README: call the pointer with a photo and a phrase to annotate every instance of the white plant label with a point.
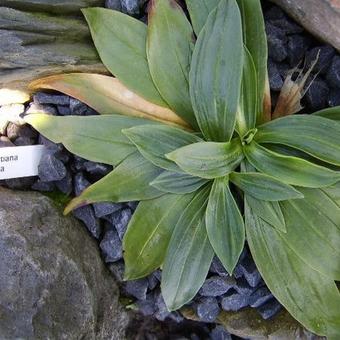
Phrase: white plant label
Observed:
(20, 161)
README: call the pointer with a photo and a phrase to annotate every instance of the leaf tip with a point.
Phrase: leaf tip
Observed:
(74, 204)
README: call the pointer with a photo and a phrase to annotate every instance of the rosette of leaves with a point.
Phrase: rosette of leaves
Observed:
(187, 123)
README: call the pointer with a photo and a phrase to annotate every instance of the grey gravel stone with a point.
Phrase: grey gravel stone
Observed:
(277, 43)
(53, 282)
(65, 185)
(217, 267)
(51, 169)
(132, 7)
(234, 302)
(275, 78)
(45, 109)
(334, 98)
(113, 4)
(162, 311)
(296, 49)
(260, 297)
(43, 186)
(207, 309)
(22, 141)
(242, 287)
(80, 183)
(122, 223)
(269, 309)
(216, 286)
(111, 246)
(250, 272)
(137, 288)
(317, 95)
(23, 183)
(147, 307)
(97, 168)
(220, 333)
(117, 270)
(86, 215)
(106, 208)
(64, 110)
(44, 98)
(324, 54)
(153, 281)
(333, 74)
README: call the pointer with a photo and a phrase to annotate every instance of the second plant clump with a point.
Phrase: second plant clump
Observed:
(187, 122)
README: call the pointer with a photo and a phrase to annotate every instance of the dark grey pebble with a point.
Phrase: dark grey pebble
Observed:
(250, 272)
(207, 309)
(275, 78)
(137, 288)
(269, 309)
(80, 183)
(333, 74)
(66, 184)
(64, 110)
(23, 183)
(260, 297)
(22, 141)
(317, 95)
(106, 208)
(153, 281)
(242, 287)
(277, 43)
(117, 270)
(113, 4)
(220, 333)
(234, 302)
(44, 98)
(216, 286)
(217, 267)
(86, 215)
(51, 169)
(325, 53)
(111, 246)
(37, 108)
(122, 223)
(334, 97)
(297, 47)
(147, 307)
(43, 186)
(97, 168)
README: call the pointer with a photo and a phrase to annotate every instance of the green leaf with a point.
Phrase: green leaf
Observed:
(264, 187)
(120, 41)
(154, 141)
(106, 95)
(312, 234)
(330, 113)
(129, 181)
(311, 298)
(270, 212)
(207, 159)
(199, 11)
(170, 44)
(96, 138)
(149, 232)
(305, 133)
(255, 39)
(291, 170)
(216, 72)
(224, 224)
(177, 183)
(189, 254)
(333, 192)
(247, 111)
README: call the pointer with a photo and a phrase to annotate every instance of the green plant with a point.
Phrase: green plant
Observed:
(188, 125)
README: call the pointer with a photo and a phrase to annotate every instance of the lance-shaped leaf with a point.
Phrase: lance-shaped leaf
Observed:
(333, 192)
(311, 298)
(305, 133)
(170, 44)
(148, 234)
(312, 234)
(189, 254)
(291, 170)
(199, 11)
(129, 181)
(154, 141)
(224, 224)
(330, 113)
(268, 211)
(107, 95)
(247, 111)
(264, 187)
(216, 72)
(96, 138)
(208, 159)
(120, 41)
(255, 39)
(177, 182)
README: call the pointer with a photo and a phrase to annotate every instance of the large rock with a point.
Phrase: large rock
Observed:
(320, 17)
(44, 37)
(52, 281)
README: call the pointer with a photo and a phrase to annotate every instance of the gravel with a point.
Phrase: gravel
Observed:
(289, 46)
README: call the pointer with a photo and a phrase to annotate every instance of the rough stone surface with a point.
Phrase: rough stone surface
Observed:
(321, 18)
(53, 283)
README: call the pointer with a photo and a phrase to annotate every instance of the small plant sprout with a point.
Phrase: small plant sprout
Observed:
(187, 123)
